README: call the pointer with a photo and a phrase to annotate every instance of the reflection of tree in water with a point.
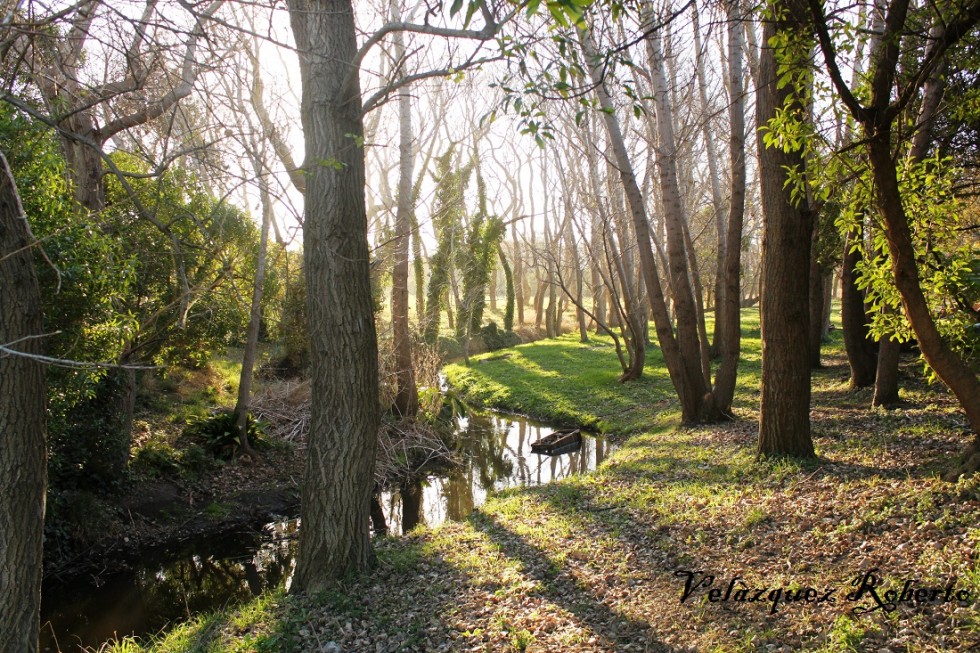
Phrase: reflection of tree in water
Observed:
(196, 583)
(412, 505)
(169, 587)
(483, 445)
(458, 491)
(493, 452)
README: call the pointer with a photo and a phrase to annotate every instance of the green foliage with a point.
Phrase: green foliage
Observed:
(846, 635)
(185, 283)
(494, 339)
(946, 258)
(476, 261)
(447, 220)
(157, 277)
(74, 518)
(792, 129)
(157, 458)
(220, 437)
(87, 448)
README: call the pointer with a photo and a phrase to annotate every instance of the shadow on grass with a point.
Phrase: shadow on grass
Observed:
(615, 628)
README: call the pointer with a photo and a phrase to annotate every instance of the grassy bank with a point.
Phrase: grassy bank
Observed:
(595, 563)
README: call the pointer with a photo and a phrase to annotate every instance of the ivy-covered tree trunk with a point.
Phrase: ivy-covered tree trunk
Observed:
(509, 285)
(406, 391)
(23, 464)
(344, 413)
(784, 413)
(447, 220)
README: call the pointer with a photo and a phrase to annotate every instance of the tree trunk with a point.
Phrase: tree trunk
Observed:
(693, 360)
(858, 343)
(492, 289)
(344, 412)
(886, 379)
(595, 276)
(23, 465)
(689, 399)
(815, 336)
(730, 334)
(946, 363)
(509, 287)
(717, 203)
(378, 521)
(520, 280)
(412, 514)
(255, 314)
(406, 392)
(576, 270)
(889, 350)
(784, 420)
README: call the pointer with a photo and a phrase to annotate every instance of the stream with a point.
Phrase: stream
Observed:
(204, 574)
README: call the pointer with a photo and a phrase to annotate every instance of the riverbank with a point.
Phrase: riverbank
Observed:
(619, 560)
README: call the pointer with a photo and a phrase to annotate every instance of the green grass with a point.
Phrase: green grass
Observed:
(571, 383)
(588, 564)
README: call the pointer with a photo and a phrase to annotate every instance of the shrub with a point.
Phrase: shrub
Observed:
(219, 437)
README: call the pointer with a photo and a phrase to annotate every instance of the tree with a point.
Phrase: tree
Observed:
(476, 259)
(877, 109)
(339, 475)
(858, 341)
(447, 219)
(889, 347)
(685, 347)
(255, 313)
(406, 396)
(728, 302)
(784, 413)
(47, 77)
(23, 464)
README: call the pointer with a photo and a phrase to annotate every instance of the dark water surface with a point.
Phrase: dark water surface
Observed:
(166, 586)
(205, 574)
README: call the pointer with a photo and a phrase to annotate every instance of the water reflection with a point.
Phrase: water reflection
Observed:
(206, 574)
(496, 451)
(166, 586)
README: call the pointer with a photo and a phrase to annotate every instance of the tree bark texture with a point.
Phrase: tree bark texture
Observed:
(784, 421)
(338, 483)
(23, 460)
(815, 335)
